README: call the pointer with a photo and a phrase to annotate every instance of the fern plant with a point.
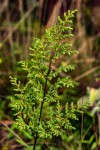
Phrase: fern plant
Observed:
(37, 104)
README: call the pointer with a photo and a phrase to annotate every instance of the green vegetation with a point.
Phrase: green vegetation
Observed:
(49, 105)
(39, 95)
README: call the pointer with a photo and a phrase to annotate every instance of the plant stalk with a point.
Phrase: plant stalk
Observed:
(98, 115)
(45, 87)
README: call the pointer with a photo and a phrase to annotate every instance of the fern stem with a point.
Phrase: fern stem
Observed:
(36, 137)
(35, 140)
(45, 87)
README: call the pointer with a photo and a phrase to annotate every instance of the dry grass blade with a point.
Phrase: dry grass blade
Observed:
(16, 135)
(87, 73)
(4, 6)
(54, 15)
(18, 24)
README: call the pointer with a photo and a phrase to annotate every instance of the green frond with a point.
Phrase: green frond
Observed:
(39, 95)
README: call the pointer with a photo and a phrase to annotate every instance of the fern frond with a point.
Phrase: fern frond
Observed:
(39, 95)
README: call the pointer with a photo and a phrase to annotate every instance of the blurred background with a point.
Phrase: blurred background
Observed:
(22, 20)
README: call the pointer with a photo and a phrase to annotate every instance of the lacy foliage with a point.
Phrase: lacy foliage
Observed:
(37, 104)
